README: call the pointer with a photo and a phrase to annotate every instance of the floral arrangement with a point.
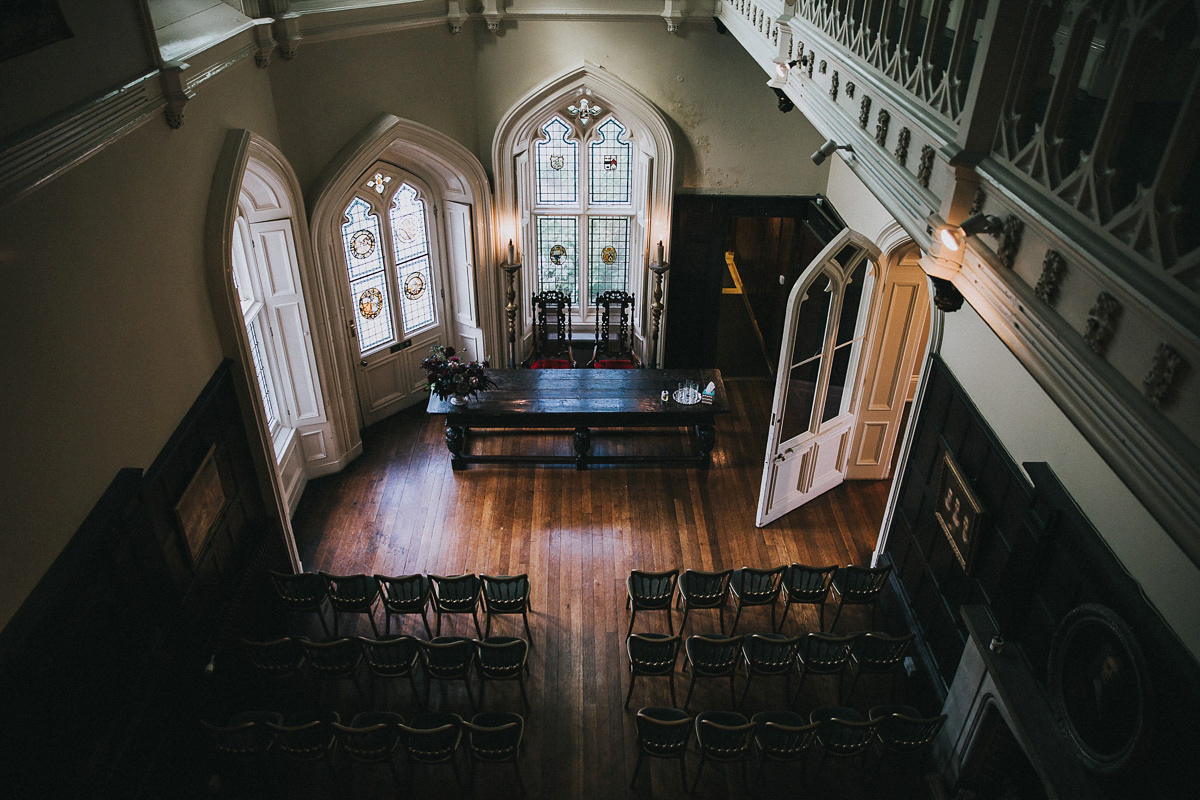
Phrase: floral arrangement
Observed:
(446, 375)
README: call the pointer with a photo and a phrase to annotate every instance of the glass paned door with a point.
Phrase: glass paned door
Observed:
(812, 414)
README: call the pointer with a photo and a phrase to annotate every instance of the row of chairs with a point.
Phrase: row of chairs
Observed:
(766, 655)
(444, 658)
(372, 737)
(748, 587)
(400, 595)
(780, 736)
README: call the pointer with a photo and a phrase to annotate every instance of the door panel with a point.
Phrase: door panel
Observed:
(813, 411)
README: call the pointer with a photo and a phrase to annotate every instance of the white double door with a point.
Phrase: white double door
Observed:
(813, 413)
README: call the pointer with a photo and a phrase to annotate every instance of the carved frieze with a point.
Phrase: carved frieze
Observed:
(980, 199)
(824, 66)
(864, 112)
(833, 86)
(1165, 375)
(1102, 323)
(812, 59)
(902, 141)
(1010, 240)
(1054, 269)
(881, 127)
(850, 87)
(925, 170)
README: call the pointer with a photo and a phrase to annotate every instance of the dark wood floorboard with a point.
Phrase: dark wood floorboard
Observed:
(399, 509)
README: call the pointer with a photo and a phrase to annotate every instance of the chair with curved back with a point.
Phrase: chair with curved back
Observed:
(495, 737)
(650, 591)
(446, 659)
(806, 585)
(712, 657)
(391, 658)
(704, 590)
(402, 595)
(662, 733)
(301, 593)
(723, 736)
(306, 736)
(352, 594)
(278, 661)
(614, 332)
(842, 732)
(769, 655)
(822, 654)
(502, 658)
(877, 654)
(652, 655)
(856, 586)
(506, 594)
(371, 738)
(433, 738)
(902, 732)
(551, 332)
(754, 587)
(241, 741)
(337, 659)
(455, 594)
(783, 737)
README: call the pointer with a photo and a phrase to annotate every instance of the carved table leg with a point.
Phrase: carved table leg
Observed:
(583, 442)
(706, 439)
(456, 437)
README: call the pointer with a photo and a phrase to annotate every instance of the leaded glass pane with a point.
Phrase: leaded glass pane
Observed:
(371, 311)
(608, 254)
(557, 171)
(610, 165)
(416, 295)
(410, 241)
(360, 240)
(557, 259)
(260, 369)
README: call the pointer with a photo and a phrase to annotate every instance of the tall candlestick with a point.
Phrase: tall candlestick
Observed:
(512, 253)
(660, 252)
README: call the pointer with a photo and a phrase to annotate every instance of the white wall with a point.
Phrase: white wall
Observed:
(854, 201)
(1032, 428)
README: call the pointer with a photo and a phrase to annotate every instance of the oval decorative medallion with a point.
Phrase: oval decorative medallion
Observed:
(362, 244)
(407, 228)
(556, 162)
(370, 303)
(414, 286)
(558, 253)
(608, 255)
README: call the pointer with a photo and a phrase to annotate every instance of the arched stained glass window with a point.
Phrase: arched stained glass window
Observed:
(410, 241)
(584, 215)
(611, 165)
(557, 165)
(366, 267)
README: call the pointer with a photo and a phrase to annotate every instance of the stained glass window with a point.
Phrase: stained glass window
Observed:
(366, 268)
(558, 264)
(557, 173)
(410, 241)
(608, 255)
(610, 168)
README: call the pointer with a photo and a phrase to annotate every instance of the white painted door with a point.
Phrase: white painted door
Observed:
(812, 417)
(396, 289)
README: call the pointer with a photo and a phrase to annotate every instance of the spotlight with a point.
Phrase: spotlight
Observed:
(785, 102)
(824, 151)
(953, 237)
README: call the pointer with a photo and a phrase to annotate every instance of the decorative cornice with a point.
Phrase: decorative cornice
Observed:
(1054, 269)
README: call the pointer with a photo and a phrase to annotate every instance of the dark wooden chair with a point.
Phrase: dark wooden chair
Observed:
(877, 654)
(723, 736)
(506, 594)
(495, 737)
(448, 658)
(391, 658)
(306, 736)
(712, 657)
(301, 593)
(614, 332)
(337, 659)
(856, 586)
(769, 655)
(652, 655)
(782, 737)
(502, 658)
(806, 585)
(551, 332)
(456, 594)
(352, 594)
(433, 738)
(822, 654)
(704, 590)
(754, 587)
(650, 591)
(904, 735)
(371, 738)
(662, 733)
(403, 594)
(843, 734)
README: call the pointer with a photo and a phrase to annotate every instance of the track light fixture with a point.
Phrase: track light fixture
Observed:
(785, 102)
(953, 237)
(827, 149)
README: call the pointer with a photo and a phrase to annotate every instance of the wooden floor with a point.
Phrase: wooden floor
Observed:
(400, 509)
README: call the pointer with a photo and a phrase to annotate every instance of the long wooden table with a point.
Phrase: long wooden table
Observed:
(582, 399)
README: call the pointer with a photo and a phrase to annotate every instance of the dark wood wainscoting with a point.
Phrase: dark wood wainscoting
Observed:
(106, 656)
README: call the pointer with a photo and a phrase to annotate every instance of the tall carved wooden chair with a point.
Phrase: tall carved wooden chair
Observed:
(614, 332)
(551, 332)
